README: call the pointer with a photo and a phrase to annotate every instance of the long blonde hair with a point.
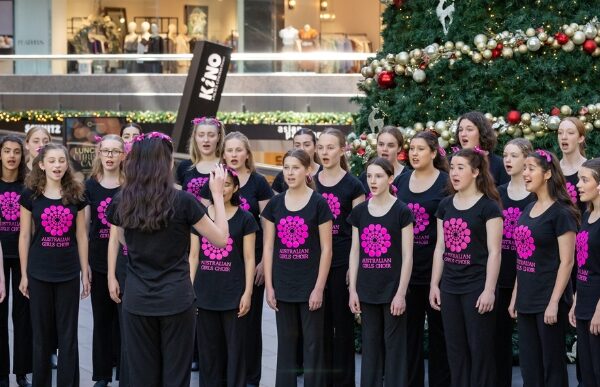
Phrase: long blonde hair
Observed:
(97, 168)
(195, 154)
(242, 137)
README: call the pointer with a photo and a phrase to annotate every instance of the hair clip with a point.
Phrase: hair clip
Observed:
(39, 148)
(207, 120)
(231, 171)
(441, 151)
(455, 149)
(97, 139)
(478, 150)
(544, 154)
(160, 135)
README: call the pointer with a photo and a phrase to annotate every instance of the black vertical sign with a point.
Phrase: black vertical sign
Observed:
(203, 88)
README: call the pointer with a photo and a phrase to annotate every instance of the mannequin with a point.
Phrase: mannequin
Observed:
(291, 43)
(155, 46)
(308, 37)
(130, 46)
(171, 48)
(182, 46)
(143, 43)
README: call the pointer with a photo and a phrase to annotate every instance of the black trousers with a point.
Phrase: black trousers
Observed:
(21, 317)
(104, 312)
(253, 345)
(55, 313)
(159, 348)
(293, 318)
(469, 340)
(588, 346)
(221, 353)
(503, 343)
(542, 349)
(383, 347)
(417, 307)
(339, 330)
(123, 367)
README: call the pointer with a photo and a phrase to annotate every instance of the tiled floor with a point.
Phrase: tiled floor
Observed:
(269, 351)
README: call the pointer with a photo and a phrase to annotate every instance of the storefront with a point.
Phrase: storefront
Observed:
(174, 26)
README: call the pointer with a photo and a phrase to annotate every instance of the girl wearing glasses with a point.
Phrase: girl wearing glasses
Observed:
(103, 184)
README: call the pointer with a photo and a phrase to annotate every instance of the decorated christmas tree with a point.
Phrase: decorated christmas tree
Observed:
(524, 63)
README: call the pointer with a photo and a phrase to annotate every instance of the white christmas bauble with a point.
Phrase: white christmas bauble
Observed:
(566, 110)
(530, 32)
(441, 126)
(459, 45)
(419, 76)
(465, 49)
(526, 118)
(570, 46)
(374, 64)
(402, 58)
(569, 31)
(507, 52)
(591, 108)
(449, 46)
(590, 31)
(578, 37)
(533, 44)
(491, 44)
(431, 50)
(480, 39)
(553, 122)
(417, 53)
(536, 124)
(477, 57)
(543, 36)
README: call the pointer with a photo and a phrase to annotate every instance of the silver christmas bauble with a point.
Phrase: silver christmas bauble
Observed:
(419, 76)
(533, 44)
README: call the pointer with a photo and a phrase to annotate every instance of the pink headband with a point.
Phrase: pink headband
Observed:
(207, 120)
(150, 135)
(544, 154)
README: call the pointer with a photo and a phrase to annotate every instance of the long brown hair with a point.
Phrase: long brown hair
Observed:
(313, 136)
(22, 170)
(387, 167)
(395, 132)
(97, 168)
(484, 181)
(304, 158)
(487, 136)
(72, 190)
(242, 137)
(439, 161)
(30, 134)
(594, 166)
(147, 197)
(557, 184)
(342, 143)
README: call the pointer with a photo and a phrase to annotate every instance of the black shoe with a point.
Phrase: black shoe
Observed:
(54, 361)
(23, 381)
(195, 366)
(102, 383)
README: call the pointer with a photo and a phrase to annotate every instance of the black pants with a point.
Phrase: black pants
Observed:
(221, 352)
(383, 347)
(159, 348)
(339, 330)
(104, 312)
(503, 343)
(589, 354)
(55, 313)
(542, 349)
(21, 317)
(469, 340)
(123, 367)
(254, 337)
(288, 328)
(417, 307)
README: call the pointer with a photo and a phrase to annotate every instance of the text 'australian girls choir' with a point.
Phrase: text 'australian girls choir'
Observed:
(467, 243)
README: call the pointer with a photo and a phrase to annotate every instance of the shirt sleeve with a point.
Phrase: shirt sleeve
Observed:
(195, 210)
(83, 203)
(25, 199)
(324, 214)
(357, 189)
(406, 216)
(363, 180)
(491, 210)
(263, 191)
(268, 213)
(441, 210)
(250, 225)
(564, 222)
(181, 169)
(205, 192)
(354, 216)
(277, 185)
(110, 210)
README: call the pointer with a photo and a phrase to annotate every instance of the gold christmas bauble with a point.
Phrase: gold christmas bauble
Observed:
(449, 46)
(583, 119)
(511, 130)
(429, 125)
(487, 54)
(491, 44)
(527, 130)
(399, 69)
(390, 57)
(459, 45)
(566, 110)
(591, 108)
(570, 46)
(372, 136)
(480, 39)
(403, 58)
(536, 124)
(578, 37)
(530, 136)
(356, 144)
(419, 76)
(597, 124)
(373, 143)
(417, 53)
(507, 52)
(465, 49)
(543, 36)
(418, 127)
(441, 126)
(589, 127)
(553, 122)
(489, 117)
(477, 58)
(540, 134)
(523, 49)
(446, 135)
(569, 31)
(374, 64)
(526, 118)
(530, 32)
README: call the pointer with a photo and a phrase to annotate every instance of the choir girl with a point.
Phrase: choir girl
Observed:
(545, 242)
(389, 146)
(422, 189)
(466, 263)
(35, 138)
(571, 140)
(306, 140)
(297, 257)
(53, 250)
(380, 269)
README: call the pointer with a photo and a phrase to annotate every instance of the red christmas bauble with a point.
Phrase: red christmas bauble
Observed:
(589, 46)
(385, 80)
(555, 111)
(513, 117)
(360, 151)
(403, 155)
(561, 38)
(398, 3)
(363, 136)
(496, 53)
(499, 46)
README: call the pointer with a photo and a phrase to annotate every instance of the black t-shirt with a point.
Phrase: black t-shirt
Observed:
(339, 198)
(512, 210)
(380, 255)
(423, 206)
(538, 256)
(10, 218)
(297, 247)
(158, 272)
(254, 191)
(98, 199)
(497, 169)
(587, 259)
(190, 179)
(572, 181)
(465, 239)
(220, 279)
(279, 185)
(53, 255)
